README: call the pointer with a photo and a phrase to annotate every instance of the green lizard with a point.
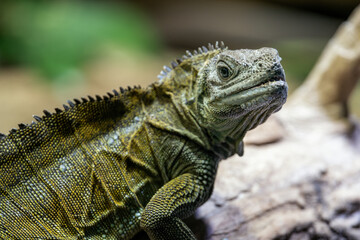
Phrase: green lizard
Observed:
(105, 168)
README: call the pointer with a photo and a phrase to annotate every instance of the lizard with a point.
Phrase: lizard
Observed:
(138, 158)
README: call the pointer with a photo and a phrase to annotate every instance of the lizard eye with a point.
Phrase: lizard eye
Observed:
(224, 71)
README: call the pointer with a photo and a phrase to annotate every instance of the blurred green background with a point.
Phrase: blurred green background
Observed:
(51, 51)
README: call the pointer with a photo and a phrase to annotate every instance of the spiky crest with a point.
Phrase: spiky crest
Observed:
(163, 73)
(71, 104)
(199, 51)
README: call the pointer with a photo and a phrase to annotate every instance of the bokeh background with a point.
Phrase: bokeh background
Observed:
(52, 51)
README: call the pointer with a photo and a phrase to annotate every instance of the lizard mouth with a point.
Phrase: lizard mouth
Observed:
(262, 92)
(278, 77)
(272, 80)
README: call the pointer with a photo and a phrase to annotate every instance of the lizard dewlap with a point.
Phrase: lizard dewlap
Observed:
(140, 158)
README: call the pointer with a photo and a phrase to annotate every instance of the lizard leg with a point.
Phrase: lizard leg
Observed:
(177, 199)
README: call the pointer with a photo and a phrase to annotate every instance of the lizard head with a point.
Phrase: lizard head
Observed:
(226, 92)
(239, 90)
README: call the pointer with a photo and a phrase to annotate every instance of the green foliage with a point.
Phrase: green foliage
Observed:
(55, 37)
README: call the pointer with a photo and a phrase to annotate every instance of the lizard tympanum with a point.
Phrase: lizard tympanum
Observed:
(139, 158)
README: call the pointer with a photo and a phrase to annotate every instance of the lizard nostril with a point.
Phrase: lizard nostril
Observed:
(277, 59)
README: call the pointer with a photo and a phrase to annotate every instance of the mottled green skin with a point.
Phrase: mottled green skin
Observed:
(142, 159)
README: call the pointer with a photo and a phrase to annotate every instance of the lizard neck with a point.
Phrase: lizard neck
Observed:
(178, 90)
(227, 137)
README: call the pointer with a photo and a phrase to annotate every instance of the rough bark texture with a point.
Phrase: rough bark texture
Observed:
(300, 175)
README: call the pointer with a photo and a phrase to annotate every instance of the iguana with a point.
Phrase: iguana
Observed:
(107, 167)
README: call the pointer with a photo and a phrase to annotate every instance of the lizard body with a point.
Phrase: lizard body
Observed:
(108, 167)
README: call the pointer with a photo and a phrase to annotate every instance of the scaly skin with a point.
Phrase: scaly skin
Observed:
(141, 159)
